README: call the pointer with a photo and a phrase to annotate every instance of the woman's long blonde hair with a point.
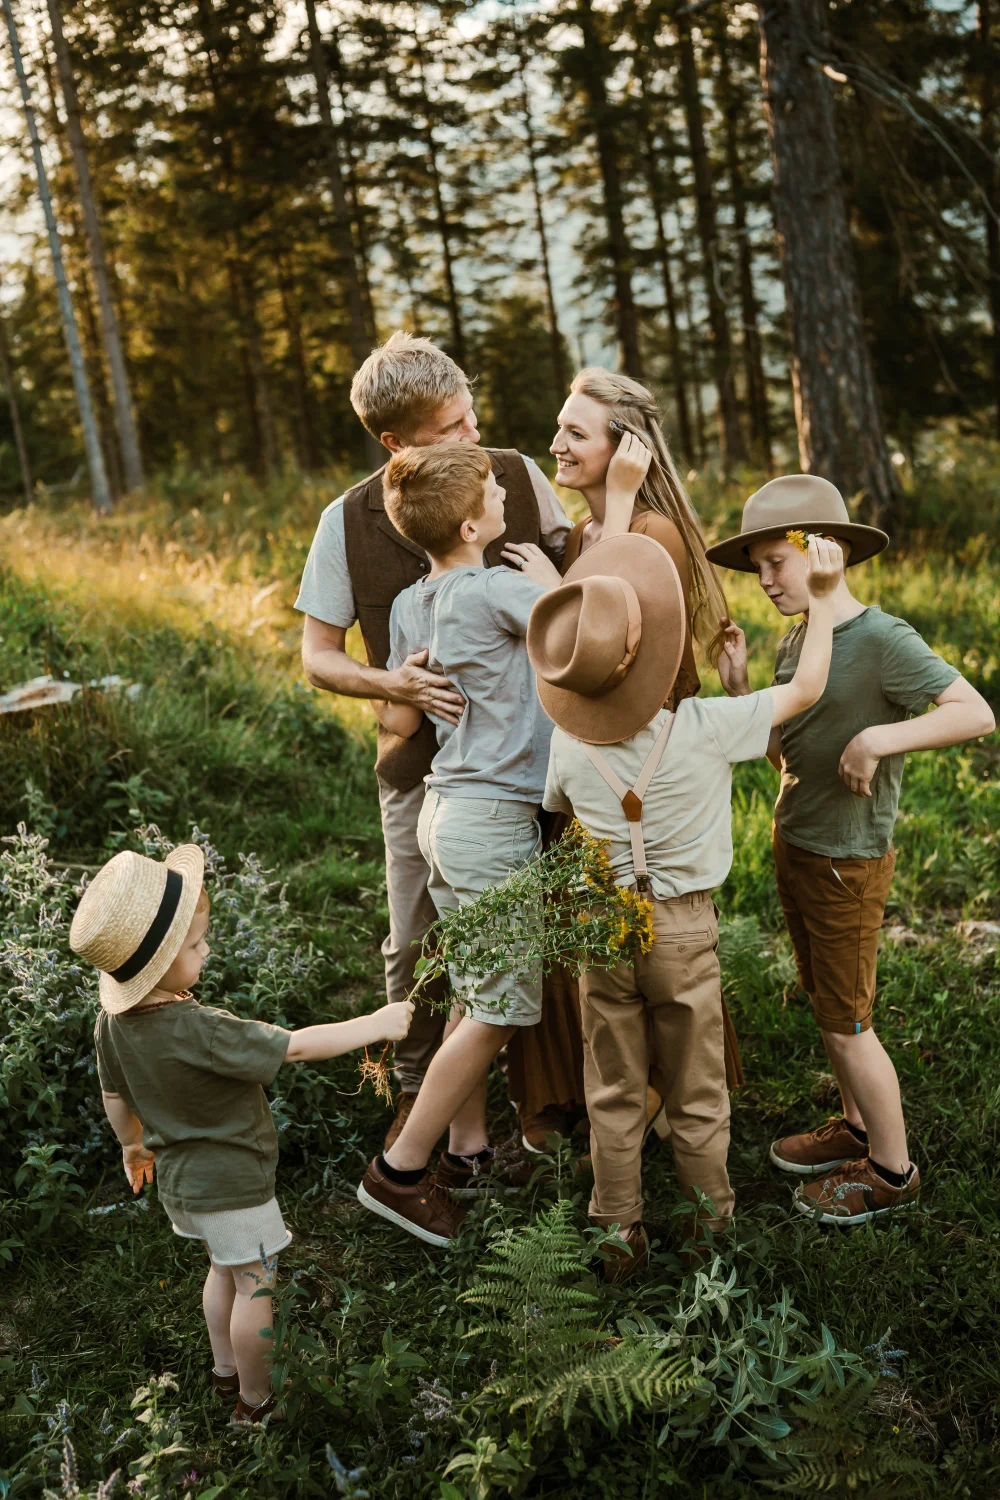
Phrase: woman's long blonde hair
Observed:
(662, 491)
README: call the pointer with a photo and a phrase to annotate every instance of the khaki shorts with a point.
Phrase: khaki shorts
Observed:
(235, 1236)
(470, 843)
(833, 910)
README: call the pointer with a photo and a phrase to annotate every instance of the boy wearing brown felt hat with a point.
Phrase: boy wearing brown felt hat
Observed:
(605, 647)
(841, 765)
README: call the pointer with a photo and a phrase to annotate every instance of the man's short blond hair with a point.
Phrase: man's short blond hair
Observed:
(403, 382)
(429, 492)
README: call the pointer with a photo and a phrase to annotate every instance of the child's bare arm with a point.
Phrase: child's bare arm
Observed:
(960, 714)
(315, 1043)
(137, 1161)
(824, 571)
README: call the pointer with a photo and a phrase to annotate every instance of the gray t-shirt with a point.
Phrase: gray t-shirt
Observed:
(881, 671)
(687, 824)
(473, 622)
(326, 592)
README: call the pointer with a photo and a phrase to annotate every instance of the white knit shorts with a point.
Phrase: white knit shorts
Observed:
(235, 1236)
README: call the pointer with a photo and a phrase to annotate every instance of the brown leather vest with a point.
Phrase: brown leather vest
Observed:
(382, 564)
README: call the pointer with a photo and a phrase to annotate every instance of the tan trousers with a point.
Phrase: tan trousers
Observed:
(411, 912)
(675, 986)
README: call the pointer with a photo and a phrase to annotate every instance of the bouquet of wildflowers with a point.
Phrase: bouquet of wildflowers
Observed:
(564, 908)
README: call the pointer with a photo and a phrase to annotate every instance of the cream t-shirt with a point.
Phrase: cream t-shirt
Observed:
(687, 810)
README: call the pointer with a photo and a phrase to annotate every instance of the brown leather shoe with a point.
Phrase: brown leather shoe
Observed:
(404, 1103)
(821, 1150)
(536, 1129)
(246, 1415)
(508, 1170)
(854, 1194)
(656, 1118)
(624, 1259)
(226, 1387)
(426, 1209)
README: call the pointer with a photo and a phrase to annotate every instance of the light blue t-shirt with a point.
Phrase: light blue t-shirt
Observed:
(473, 622)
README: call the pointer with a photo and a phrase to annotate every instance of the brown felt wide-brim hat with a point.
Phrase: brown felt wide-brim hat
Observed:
(606, 645)
(796, 502)
(133, 918)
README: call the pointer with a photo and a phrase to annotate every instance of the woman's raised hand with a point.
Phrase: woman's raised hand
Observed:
(626, 471)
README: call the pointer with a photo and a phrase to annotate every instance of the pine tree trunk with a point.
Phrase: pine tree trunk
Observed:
(92, 442)
(309, 452)
(731, 105)
(128, 437)
(265, 457)
(94, 355)
(988, 136)
(362, 335)
(837, 407)
(440, 211)
(531, 148)
(731, 447)
(595, 54)
(27, 483)
(657, 201)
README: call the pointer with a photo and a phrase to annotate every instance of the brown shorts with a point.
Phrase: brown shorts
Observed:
(833, 910)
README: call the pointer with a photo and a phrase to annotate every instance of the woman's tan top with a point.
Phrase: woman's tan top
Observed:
(650, 523)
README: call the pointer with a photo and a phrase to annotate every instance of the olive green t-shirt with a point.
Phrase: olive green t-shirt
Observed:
(881, 672)
(195, 1077)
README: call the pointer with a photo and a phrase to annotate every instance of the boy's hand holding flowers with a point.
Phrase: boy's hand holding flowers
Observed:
(394, 1020)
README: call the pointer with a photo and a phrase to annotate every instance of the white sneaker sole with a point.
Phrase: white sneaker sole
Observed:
(809, 1209)
(813, 1169)
(429, 1238)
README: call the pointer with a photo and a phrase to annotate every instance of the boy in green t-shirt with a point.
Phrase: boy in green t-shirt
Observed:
(841, 765)
(183, 1084)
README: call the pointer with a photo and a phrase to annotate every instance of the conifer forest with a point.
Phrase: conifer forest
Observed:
(784, 219)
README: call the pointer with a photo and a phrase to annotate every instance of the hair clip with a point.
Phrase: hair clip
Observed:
(618, 428)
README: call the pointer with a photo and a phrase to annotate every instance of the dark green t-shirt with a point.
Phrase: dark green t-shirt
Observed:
(195, 1077)
(881, 672)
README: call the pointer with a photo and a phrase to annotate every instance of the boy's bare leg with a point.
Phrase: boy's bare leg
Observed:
(253, 1352)
(870, 1092)
(217, 1298)
(455, 1079)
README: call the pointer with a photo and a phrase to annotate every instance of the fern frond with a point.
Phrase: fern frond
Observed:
(613, 1383)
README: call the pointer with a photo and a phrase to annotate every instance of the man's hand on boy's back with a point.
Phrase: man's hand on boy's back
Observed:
(530, 561)
(824, 566)
(733, 670)
(412, 684)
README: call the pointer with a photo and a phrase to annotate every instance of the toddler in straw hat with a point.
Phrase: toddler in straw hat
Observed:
(656, 785)
(183, 1085)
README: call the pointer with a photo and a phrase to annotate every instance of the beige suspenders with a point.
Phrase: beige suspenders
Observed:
(631, 800)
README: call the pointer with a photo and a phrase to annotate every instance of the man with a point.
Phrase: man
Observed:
(408, 394)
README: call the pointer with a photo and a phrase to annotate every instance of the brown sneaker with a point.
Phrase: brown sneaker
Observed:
(536, 1129)
(625, 1258)
(821, 1150)
(854, 1194)
(507, 1171)
(404, 1103)
(426, 1209)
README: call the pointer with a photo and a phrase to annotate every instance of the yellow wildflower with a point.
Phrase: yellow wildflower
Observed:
(798, 539)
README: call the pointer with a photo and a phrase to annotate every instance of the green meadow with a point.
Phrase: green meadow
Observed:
(796, 1361)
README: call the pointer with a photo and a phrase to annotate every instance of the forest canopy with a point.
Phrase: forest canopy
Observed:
(278, 185)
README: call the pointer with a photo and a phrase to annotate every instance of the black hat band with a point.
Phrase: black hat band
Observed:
(158, 930)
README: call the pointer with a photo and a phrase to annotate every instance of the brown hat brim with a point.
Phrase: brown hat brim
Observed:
(189, 862)
(625, 709)
(866, 542)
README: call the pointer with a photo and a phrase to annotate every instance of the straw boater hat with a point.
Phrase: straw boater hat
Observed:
(607, 644)
(133, 919)
(796, 502)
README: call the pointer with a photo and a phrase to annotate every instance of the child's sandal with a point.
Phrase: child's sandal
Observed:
(227, 1387)
(246, 1415)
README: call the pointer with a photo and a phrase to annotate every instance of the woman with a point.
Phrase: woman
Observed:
(611, 448)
